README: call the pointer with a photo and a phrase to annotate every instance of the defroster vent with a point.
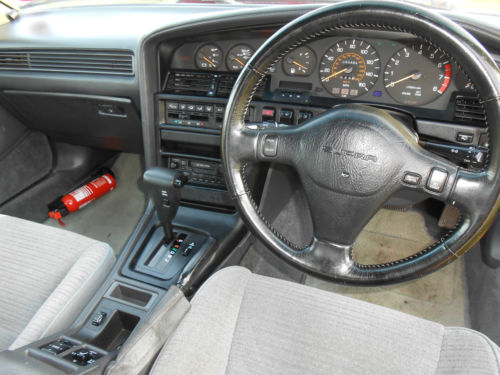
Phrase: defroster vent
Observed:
(109, 62)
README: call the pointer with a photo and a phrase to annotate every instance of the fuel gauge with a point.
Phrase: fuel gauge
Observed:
(299, 62)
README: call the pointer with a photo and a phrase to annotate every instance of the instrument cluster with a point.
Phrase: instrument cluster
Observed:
(402, 70)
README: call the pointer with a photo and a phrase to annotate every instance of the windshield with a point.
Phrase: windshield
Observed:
(491, 7)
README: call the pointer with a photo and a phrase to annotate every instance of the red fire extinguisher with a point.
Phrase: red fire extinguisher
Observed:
(82, 196)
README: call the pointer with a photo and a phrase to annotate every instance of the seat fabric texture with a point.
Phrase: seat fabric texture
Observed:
(47, 275)
(242, 323)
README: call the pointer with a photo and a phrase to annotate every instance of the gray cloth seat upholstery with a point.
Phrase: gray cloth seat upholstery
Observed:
(47, 275)
(242, 323)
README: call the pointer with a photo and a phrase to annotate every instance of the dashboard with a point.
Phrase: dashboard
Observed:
(182, 63)
(377, 67)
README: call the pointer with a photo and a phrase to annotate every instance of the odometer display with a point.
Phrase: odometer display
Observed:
(417, 75)
(349, 68)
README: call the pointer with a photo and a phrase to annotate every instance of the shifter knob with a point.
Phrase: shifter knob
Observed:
(163, 186)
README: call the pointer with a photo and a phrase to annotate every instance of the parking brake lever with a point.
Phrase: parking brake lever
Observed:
(164, 187)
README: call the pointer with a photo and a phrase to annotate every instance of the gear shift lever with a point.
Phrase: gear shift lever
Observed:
(164, 187)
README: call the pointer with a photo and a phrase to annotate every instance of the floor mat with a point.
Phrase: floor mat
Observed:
(28, 162)
(391, 235)
(112, 217)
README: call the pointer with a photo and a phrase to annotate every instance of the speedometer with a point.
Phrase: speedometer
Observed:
(417, 75)
(349, 68)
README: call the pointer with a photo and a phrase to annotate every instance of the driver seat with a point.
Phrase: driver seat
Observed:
(243, 323)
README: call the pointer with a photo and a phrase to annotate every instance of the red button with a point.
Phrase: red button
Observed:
(268, 112)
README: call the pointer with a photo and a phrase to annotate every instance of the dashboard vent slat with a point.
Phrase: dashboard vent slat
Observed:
(107, 62)
(469, 110)
(204, 84)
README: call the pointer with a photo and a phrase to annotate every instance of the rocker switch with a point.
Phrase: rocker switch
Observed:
(270, 146)
(98, 318)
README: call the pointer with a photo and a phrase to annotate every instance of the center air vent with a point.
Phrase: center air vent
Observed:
(69, 61)
(205, 84)
(469, 110)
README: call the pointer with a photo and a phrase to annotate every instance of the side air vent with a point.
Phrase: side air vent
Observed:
(469, 110)
(69, 61)
(204, 84)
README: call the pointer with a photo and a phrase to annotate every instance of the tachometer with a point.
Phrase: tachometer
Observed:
(349, 68)
(417, 75)
(238, 56)
(208, 57)
(299, 62)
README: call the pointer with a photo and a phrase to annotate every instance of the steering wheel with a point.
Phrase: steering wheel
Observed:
(353, 158)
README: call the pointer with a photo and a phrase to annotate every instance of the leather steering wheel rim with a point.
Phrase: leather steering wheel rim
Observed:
(474, 193)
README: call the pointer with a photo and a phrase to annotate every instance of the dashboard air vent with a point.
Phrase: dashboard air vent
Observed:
(226, 83)
(204, 84)
(470, 110)
(69, 61)
(13, 60)
(190, 83)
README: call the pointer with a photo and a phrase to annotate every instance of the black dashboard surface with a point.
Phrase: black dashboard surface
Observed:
(114, 28)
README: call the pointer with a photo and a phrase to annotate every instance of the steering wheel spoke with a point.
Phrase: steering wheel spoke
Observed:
(266, 142)
(429, 173)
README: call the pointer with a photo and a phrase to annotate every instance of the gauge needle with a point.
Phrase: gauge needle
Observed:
(239, 61)
(336, 74)
(413, 76)
(209, 61)
(299, 65)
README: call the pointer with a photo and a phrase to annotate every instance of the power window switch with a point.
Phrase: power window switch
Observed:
(98, 318)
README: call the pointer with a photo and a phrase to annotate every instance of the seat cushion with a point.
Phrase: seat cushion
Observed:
(47, 275)
(241, 323)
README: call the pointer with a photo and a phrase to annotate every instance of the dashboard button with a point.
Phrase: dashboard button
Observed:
(173, 106)
(183, 106)
(191, 107)
(220, 109)
(200, 107)
(465, 137)
(209, 108)
(270, 146)
(437, 180)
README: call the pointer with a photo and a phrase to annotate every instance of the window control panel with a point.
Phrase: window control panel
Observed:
(83, 356)
(58, 346)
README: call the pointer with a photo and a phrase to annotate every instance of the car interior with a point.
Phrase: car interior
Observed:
(243, 187)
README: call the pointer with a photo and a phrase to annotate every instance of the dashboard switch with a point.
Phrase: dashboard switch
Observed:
(268, 114)
(286, 116)
(98, 318)
(437, 180)
(465, 137)
(270, 146)
(304, 116)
